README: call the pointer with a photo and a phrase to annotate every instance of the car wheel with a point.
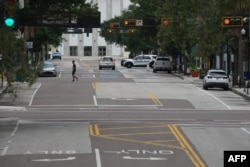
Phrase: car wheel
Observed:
(129, 65)
(205, 87)
(169, 71)
(100, 68)
(154, 71)
(113, 68)
(151, 64)
(226, 88)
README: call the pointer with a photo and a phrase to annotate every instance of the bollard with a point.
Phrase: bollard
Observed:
(248, 85)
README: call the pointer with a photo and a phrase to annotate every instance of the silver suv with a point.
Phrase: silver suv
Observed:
(162, 64)
(138, 61)
(216, 78)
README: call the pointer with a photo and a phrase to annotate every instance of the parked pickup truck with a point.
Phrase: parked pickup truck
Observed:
(162, 64)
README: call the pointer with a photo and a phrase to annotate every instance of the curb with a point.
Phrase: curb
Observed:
(12, 108)
(247, 97)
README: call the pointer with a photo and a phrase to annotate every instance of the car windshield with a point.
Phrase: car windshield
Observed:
(217, 73)
(163, 59)
(107, 59)
(48, 64)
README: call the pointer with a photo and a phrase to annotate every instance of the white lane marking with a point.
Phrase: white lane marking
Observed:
(149, 158)
(98, 158)
(6, 148)
(93, 75)
(95, 101)
(15, 130)
(33, 95)
(53, 160)
(114, 98)
(5, 151)
(245, 130)
(60, 74)
(227, 106)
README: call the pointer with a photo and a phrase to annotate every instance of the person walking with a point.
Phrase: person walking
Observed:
(74, 71)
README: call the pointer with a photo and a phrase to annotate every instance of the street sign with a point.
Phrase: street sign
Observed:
(139, 22)
(62, 20)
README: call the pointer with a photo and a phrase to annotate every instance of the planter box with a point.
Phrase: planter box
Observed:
(195, 74)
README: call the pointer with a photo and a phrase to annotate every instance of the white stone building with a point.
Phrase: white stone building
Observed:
(93, 44)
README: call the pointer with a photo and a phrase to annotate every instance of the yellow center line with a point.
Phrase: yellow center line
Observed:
(133, 134)
(94, 130)
(154, 99)
(133, 127)
(95, 85)
(91, 130)
(184, 143)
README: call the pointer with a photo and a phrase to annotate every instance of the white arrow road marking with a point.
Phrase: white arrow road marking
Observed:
(53, 160)
(149, 158)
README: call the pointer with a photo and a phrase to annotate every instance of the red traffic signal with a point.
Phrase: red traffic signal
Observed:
(129, 22)
(164, 22)
(114, 25)
(169, 21)
(232, 21)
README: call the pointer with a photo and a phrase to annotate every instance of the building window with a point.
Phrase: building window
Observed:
(87, 51)
(101, 51)
(73, 50)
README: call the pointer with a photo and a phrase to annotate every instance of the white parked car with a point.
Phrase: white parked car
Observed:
(216, 78)
(107, 62)
(138, 61)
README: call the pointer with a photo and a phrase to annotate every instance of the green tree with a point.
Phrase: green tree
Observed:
(142, 39)
(14, 63)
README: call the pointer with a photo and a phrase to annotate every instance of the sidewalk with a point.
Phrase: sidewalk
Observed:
(5, 107)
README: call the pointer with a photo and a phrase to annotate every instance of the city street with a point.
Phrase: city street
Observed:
(123, 117)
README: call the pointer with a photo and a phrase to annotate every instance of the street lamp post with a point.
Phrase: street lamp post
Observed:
(244, 32)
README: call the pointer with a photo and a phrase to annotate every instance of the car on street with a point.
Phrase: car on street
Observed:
(107, 62)
(162, 64)
(47, 69)
(138, 61)
(216, 78)
(56, 55)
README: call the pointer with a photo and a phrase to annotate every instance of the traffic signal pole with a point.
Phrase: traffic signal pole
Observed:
(248, 50)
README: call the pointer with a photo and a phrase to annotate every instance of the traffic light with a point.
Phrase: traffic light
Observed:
(9, 18)
(232, 21)
(164, 22)
(169, 21)
(129, 22)
(114, 25)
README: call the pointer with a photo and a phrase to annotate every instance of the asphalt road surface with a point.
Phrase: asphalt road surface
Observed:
(123, 117)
